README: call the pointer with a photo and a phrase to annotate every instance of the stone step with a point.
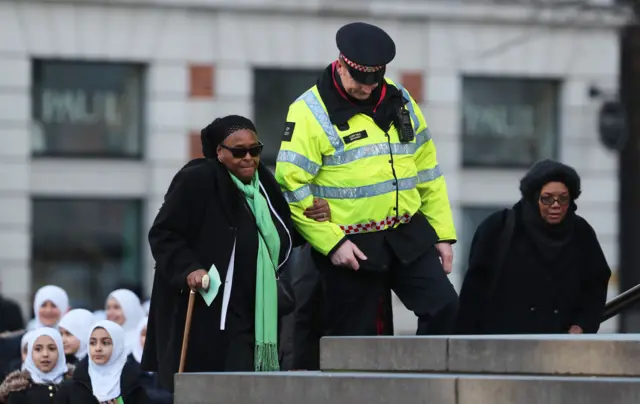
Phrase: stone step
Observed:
(396, 388)
(598, 355)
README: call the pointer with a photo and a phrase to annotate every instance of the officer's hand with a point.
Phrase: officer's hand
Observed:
(446, 256)
(575, 329)
(194, 279)
(347, 255)
(319, 211)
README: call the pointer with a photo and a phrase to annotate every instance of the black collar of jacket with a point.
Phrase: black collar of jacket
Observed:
(223, 185)
(340, 110)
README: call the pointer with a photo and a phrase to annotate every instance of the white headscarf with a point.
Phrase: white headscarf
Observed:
(132, 310)
(138, 348)
(52, 293)
(25, 340)
(57, 373)
(105, 379)
(78, 322)
(99, 315)
(145, 306)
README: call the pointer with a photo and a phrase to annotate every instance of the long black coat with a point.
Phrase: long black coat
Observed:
(202, 215)
(79, 391)
(526, 295)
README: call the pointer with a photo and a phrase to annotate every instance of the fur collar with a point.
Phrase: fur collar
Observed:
(21, 380)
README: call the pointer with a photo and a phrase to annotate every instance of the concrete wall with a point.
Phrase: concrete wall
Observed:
(438, 42)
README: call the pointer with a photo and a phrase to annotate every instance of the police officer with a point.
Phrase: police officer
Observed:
(361, 142)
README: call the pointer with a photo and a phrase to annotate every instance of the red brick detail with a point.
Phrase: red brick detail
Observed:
(195, 146)
(414, 83)
(201, 81)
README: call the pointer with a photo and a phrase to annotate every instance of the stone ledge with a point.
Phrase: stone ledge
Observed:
(384, 388)
(598, 355)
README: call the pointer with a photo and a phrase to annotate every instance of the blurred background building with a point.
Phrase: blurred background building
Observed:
(101, 102)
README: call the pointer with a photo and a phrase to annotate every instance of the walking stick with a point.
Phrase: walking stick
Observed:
(187, 325)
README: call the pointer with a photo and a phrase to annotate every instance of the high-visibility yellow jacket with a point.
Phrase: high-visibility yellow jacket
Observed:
(356, 174)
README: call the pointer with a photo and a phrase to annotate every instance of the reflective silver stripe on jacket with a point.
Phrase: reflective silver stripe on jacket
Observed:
(366, 191)
(342, 156)
(288, 156)
(412, 111)
(323, 119)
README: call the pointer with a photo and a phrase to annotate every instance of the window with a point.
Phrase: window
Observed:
(472, 217)
(87, 247)
(87, 109)
(508, 122)
(274, 90)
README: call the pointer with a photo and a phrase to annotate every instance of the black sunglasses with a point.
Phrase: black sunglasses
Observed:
(549, 200)
(240, 152)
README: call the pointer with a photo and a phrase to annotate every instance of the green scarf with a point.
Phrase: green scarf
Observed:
(266, 322)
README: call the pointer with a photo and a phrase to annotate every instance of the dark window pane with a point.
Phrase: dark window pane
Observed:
(274, 90)
(472, 217)
(87, 247)
(508, 122)
(87, 109)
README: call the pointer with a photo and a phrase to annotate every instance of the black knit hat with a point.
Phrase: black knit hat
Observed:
(546, 171)
(218, 130)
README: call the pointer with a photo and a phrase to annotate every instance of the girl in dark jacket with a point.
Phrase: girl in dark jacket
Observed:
(43, 370)
(105, 376)
(537, 268)
(74, 328)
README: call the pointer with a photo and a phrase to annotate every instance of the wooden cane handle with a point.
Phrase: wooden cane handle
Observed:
(187, 329)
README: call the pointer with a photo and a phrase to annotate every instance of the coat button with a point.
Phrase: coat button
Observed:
(532, 309)
(50, 387)
(50, 394)
(556, 311)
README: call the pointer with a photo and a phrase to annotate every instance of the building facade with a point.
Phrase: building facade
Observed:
(101, 103)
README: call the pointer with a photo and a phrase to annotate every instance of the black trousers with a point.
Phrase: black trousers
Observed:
(352, 298)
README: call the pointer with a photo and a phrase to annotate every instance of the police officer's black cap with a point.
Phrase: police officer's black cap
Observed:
(366, 50)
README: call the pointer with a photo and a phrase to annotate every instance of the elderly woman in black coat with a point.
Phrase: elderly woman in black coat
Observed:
(224, 213)
(537, 268)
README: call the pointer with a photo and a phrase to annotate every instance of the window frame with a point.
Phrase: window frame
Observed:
(140, 206)
(285, 71)
(558, 84)
(88, 155)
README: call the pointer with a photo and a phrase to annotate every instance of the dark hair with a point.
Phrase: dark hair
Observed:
(218, 130)
(546, 171)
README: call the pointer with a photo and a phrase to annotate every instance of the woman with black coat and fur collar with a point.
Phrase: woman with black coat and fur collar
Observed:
(44, 369)
(537, 268)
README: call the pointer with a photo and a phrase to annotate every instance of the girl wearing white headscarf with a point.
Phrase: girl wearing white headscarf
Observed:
(124, 308)
(106, 376)
(49, 305)
(74, 328)
(42, 372)
(24, 345)
(16, 363)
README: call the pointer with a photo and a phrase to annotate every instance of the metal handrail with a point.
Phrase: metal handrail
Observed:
(621, 303)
